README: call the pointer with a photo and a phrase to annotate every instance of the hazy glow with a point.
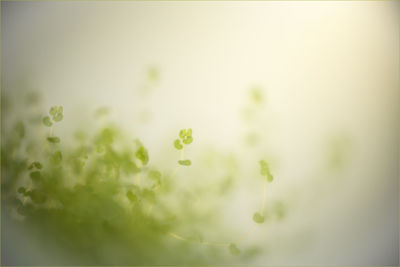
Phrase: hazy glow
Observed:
(328, 123)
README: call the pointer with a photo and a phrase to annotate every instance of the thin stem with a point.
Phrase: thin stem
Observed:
(264, 195)
(176, 236)
(51, 131)
(246, 235)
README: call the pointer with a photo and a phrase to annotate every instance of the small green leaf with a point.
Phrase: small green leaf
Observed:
(53, 111)
(58, 117)
(258, 218)
(56, 113)
(233, 249)
(177, 144)
(53, 139)
(142, 155)
(270, 178)
(35, 176)
(189, 132)
(188, 140)
(185, 162)
(182, 133)
(47, 122)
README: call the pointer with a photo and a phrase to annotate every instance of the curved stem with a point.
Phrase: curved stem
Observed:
(264, 195)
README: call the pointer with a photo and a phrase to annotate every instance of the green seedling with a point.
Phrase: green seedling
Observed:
(264, 170)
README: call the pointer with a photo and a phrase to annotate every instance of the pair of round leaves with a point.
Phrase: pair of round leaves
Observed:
(186, 136)
(264, 170)
(56, 113)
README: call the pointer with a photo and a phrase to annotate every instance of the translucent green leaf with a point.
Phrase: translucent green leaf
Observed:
(185, 162)
(233, 249)
(177, 144)
(56, 113)
(142, 155)
(53, 139)
(189, 132)
(35, 176)
(270, 178)
(53, 111)
(47, 122)
(58, 117)
(182, 133)
(258, 218)
(188, 140)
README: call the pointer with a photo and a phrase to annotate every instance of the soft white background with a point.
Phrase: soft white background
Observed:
(327, 67)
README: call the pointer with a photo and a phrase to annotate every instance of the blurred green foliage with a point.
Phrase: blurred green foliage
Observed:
(85, 197)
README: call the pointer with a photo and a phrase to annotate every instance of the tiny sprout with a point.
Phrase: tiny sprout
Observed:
(47, 122)
(182, 133)
(186, 136)
(233, 249)
(265, 170)
(35, 176)
(53, 139)
(177, 144)
(258, 218)
(185, 162)
(142, 155)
